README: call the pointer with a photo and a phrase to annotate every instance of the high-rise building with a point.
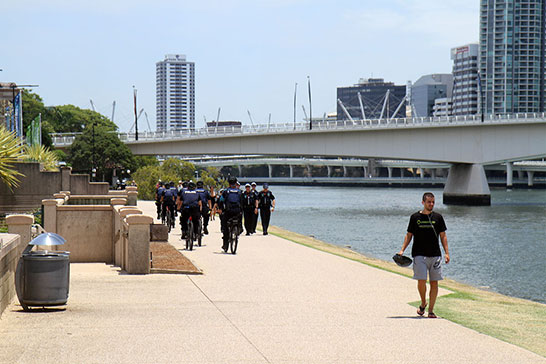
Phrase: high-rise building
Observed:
(465, 79)
(379, 99)
(427, 89)
(512, 55)
(175, 93)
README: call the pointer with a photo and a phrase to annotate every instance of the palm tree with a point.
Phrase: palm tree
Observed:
(41, 154)
(10, 151)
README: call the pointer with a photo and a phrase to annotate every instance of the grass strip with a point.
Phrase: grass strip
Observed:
(513, 320)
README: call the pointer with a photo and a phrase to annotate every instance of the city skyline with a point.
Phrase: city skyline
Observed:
(248, 55)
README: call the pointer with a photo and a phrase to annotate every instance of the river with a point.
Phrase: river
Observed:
(501, 247)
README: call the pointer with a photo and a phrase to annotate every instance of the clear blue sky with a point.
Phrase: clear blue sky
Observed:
(248, 53)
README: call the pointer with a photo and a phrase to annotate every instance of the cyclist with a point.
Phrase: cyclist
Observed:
(204, 195)
(158, 195)
(191, 206)
(232, 201)
(169, 199)
(249, 202)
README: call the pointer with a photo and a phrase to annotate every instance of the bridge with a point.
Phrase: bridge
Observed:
(466, 143)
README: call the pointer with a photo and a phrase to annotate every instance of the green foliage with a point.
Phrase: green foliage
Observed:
(72, 119)
(10, 151)
(171, 170)
(61, 155)
(110, 152)
(41, 154)
(145, 160)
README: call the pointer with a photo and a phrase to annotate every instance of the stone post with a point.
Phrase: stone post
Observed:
(22, 226)
(138, 253)
(65, 178)
(50, 215)
(132, 197)
(121, 245)
(118, 201)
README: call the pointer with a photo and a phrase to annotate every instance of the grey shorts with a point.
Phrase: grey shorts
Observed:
(424, 265)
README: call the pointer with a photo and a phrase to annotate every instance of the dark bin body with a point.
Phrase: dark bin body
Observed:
(43, 278)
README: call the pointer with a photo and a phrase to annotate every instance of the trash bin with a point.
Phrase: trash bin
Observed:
(42, 277)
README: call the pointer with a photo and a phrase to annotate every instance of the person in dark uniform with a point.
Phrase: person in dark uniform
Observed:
(255, 216)
(191, 206)
(169, 200)
(204, 195)
(249, 205)
(266, 204)
(233, 203)
(158, 194)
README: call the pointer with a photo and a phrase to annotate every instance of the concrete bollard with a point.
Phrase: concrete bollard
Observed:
(22, 226)
(50, 215)
(116, 201)
(138, 244)
(132, 197)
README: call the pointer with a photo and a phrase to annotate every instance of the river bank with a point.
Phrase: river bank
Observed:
(514, 320)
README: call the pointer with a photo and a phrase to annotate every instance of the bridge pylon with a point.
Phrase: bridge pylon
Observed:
(467, 185)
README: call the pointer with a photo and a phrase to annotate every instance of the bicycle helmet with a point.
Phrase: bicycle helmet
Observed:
(402, 260)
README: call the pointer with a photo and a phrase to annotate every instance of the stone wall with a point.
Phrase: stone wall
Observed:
(37, 185)
(10, 252)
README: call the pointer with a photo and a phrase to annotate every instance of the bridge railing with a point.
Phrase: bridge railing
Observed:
(60, 140)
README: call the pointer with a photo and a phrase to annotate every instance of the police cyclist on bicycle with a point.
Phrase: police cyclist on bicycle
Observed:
(158, 195)
(191, 205)
(233, 202)
(169, 199)
(204, 195)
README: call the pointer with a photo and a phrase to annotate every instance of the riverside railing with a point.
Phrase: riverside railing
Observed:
(66, 139)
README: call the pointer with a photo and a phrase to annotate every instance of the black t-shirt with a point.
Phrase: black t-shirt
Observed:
(425, 237)
(265, 199)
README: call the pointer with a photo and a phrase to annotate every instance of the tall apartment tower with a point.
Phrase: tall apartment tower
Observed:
(465, 79)
(175, 93)
(512, 55)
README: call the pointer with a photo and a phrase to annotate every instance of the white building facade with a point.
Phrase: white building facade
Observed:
(465, 96)
(175, 93)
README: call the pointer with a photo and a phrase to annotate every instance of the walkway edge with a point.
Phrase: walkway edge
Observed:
(514, 320)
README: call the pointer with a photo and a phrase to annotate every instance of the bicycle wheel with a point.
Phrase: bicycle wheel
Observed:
(233, 241)
(189, 240)
(200, 232)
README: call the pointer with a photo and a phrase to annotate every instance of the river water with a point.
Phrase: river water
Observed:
(501, 247)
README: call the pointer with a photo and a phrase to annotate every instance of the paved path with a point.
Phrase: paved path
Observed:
(273, 302)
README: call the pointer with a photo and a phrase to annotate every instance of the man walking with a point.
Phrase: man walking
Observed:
(249, 204)
(255, 213)
(266, 204)
(425, 227)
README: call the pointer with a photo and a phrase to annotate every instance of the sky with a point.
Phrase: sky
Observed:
(248, 54)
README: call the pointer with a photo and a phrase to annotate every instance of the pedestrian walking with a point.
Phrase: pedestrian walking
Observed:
(425, 227)
(266, 204)
(249, 204)
(255, 216)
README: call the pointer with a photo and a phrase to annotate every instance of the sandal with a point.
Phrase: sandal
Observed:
(432, 315)
(421, 310)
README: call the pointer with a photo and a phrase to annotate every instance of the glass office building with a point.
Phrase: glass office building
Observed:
(175, 93)
(374, 95)
(512, 55)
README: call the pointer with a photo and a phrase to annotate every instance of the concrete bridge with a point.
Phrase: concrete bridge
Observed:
(466, 143)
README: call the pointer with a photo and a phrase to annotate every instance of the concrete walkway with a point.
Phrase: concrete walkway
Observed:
(273, 302)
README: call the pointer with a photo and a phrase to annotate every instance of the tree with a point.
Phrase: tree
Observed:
(110, 152)
(33, 106)
(72, 119)
(10, 151)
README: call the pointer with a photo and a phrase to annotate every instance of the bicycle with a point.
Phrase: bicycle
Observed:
(169, 220)
(190, 235)
(200, 231)
(233, 230)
